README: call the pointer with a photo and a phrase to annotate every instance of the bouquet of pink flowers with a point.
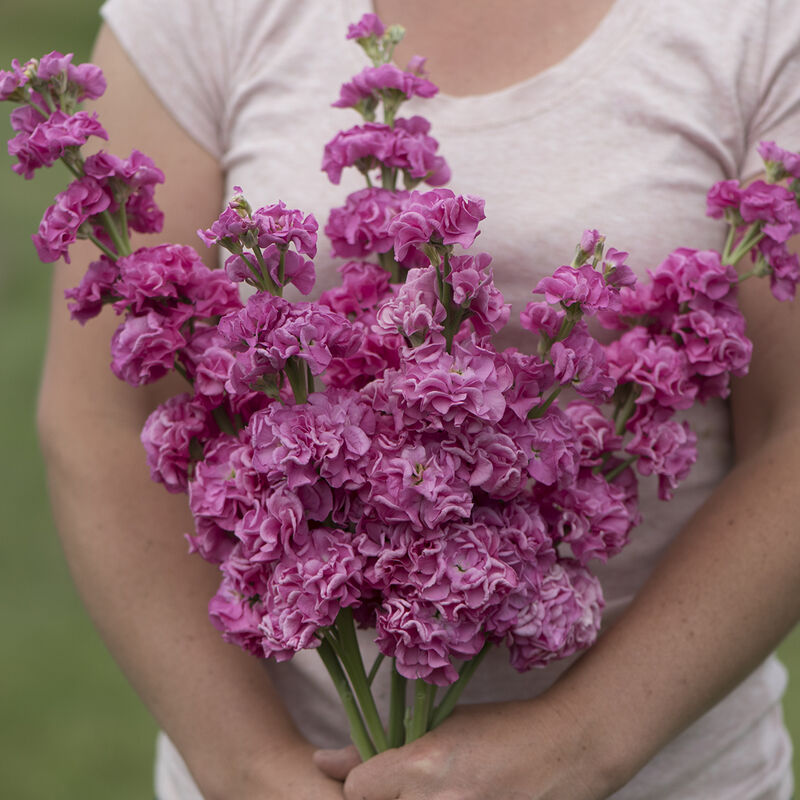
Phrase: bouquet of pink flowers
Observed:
(370, 458)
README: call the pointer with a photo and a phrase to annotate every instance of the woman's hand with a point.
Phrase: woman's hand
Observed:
(515, 751)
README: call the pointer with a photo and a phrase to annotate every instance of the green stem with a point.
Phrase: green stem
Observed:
(224, 422)
(181, 370)
(358, 731)
(397, 707)
(726, 251)
(111, 229)
(751, 238)
(445, 708)
(387, 262)
(267, 284)
(621, 467)
(350, 654)
(297, 380)
(423, 700)
(624, 411)
(100, 246)
(540, 411)
(376, 665)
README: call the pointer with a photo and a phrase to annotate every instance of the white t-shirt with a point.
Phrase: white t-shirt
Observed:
(625, 135)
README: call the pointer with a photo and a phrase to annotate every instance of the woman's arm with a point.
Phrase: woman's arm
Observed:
(123, 534)
(726, 592)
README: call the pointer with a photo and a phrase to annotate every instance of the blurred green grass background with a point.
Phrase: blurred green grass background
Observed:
(70, 727)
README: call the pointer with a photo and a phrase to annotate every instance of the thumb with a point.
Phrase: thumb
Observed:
(337, 764)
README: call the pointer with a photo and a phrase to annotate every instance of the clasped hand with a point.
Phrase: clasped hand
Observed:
(493, 751)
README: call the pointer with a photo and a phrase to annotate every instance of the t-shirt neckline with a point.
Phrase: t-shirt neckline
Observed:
(545, 89)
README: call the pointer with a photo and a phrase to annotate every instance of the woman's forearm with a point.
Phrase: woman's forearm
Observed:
(726, 592)
(123, 538)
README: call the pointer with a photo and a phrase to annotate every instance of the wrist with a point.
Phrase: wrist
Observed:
(596, 745)
(253, 776)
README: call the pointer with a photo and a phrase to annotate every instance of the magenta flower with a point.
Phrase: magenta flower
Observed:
(283, 226)
(46, 143)
(360, 227)
(143, 348)
(656, 365)
(167, 438)
(775, 206)
(774, 155)
(722, 196)
(373, 80)
(583, 285)
(61, 224)
(368, 25)
(784, 266)
(94, 290)
(11, 80)
(308, 587)
(422, 642)
(556, 617)
(663, 447)
(437, 215)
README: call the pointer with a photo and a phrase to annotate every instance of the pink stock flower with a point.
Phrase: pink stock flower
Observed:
(307, 589)
(407, 146)
(61, 224)
(532, 377)
(656, 365)
(167, 438)
(714, 344)
(775, 206)
(143, 348)
(88, 79)
(173, 280)
(360, 227)
(373, 80)
(274, 524)
(283, 226)
(11, 80)
(594, 515)
(444, 388)
(46, 143)
(134, 179)
(237, 618)
(695, 277)
(556, 617)
(328, 437)
(774, 155)
(224, 485)
(583, 285)
(663, 447)
(475, 292)
(368, 25)
(579, 359)
(542, 318)
(439, 215)
(95, 289)
(722, 196)
(784, 268)
(364, 286)
(594, 433)
(423, 643)
(208, 363)
(415, 311)
(415, 482)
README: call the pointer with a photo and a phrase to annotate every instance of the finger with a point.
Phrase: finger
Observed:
(337, 764)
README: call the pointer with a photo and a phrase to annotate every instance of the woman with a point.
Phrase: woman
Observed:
(581, 113)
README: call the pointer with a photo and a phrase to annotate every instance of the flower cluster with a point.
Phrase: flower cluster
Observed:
(372, 455)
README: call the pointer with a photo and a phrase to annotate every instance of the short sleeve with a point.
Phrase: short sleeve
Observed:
(180, 49)
(775, 107)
